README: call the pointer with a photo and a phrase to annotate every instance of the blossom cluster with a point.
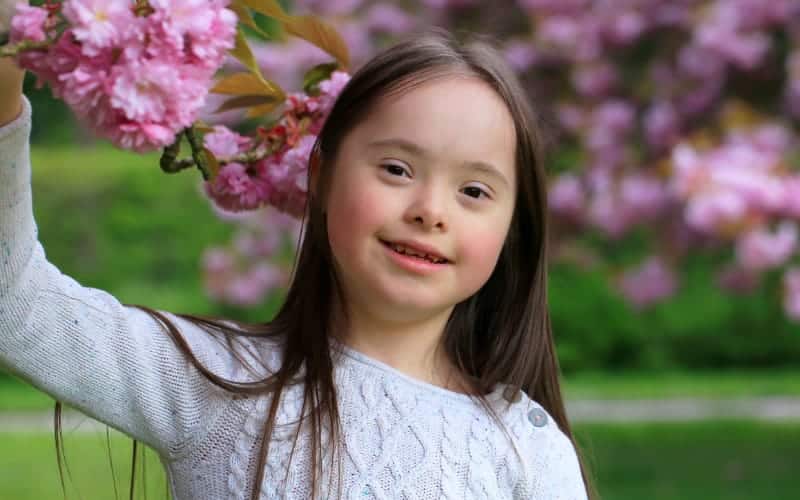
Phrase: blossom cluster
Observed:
(135, 73)
(279, 177)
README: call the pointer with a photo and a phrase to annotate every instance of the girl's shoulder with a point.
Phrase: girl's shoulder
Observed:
(549, 455)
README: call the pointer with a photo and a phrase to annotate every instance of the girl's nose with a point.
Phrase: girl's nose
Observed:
(429, 211)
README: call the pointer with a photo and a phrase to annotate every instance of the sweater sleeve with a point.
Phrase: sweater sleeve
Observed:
(81, 345)
(563, 471)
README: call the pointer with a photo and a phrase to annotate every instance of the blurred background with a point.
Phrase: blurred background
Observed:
(674, 194)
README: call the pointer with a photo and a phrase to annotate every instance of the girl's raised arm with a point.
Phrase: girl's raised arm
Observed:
(80, 344)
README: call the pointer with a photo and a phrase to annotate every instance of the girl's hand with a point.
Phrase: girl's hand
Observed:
(10, 75)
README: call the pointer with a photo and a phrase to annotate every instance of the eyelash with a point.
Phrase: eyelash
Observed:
(386, 166)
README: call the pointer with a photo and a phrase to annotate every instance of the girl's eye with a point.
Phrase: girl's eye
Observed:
(475, 192)
(393, 169)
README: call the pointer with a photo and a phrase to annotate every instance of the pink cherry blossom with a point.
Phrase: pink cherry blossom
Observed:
(143, 90)
(29, 23)
(98, 23)
(288, 177)
(132, 78)
(235, 189)
(184, 16)
(138, 137)
(330, 90)
(85, 88)
(224, 142)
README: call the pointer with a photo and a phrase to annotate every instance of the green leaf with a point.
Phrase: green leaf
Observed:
(248, 84)
(307, 27)
(247, 101)
(213, 164)
(262, 110)
(243, 53)
(318, 73)
(321, 34)
(269, 8)
(243, 13)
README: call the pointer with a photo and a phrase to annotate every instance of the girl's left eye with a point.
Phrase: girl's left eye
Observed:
(475, 192)
(393, 169)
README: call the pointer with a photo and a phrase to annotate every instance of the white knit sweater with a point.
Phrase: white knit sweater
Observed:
(402, 438)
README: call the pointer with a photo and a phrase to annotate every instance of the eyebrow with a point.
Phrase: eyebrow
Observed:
(417, 150)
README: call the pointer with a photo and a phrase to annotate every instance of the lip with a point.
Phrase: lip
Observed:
(413, 264)
(419, 247)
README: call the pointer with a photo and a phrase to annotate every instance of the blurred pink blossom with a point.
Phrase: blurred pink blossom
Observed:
(520, 54)
(388, 18)
(566, 196)
(791, 293)
(661, 125)
(595, 80)
(725, 186)
(650, 282)
(736, 279)
(328, 6)
(644, 197)
(761, 249)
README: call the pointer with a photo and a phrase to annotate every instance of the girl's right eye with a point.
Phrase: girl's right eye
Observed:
(393, 169)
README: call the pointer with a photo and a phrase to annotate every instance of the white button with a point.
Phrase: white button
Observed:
(538, 417)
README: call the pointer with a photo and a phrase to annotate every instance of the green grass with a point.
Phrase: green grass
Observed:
(708, 460)
(692, 461)
(28, 467)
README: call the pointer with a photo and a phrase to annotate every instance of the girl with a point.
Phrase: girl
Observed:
(413, 356)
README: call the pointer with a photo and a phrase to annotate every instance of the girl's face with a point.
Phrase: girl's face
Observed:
(435, 166)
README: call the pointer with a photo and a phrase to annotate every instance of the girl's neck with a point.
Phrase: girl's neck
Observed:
(412, 348)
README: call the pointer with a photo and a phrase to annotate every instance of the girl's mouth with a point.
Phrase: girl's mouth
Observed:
(412, 254)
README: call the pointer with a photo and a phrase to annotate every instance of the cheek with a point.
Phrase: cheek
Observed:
(353, 215)
(479, 253)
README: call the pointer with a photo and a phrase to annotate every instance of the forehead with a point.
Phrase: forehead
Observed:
(458, 119)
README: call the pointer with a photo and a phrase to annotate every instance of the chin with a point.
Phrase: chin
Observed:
(405, 299)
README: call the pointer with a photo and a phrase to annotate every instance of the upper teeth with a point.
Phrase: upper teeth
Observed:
(409, 251)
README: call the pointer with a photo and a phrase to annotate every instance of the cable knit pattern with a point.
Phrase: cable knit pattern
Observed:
(402, 438)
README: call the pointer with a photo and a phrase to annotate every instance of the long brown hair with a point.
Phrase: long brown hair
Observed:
(501, 334)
